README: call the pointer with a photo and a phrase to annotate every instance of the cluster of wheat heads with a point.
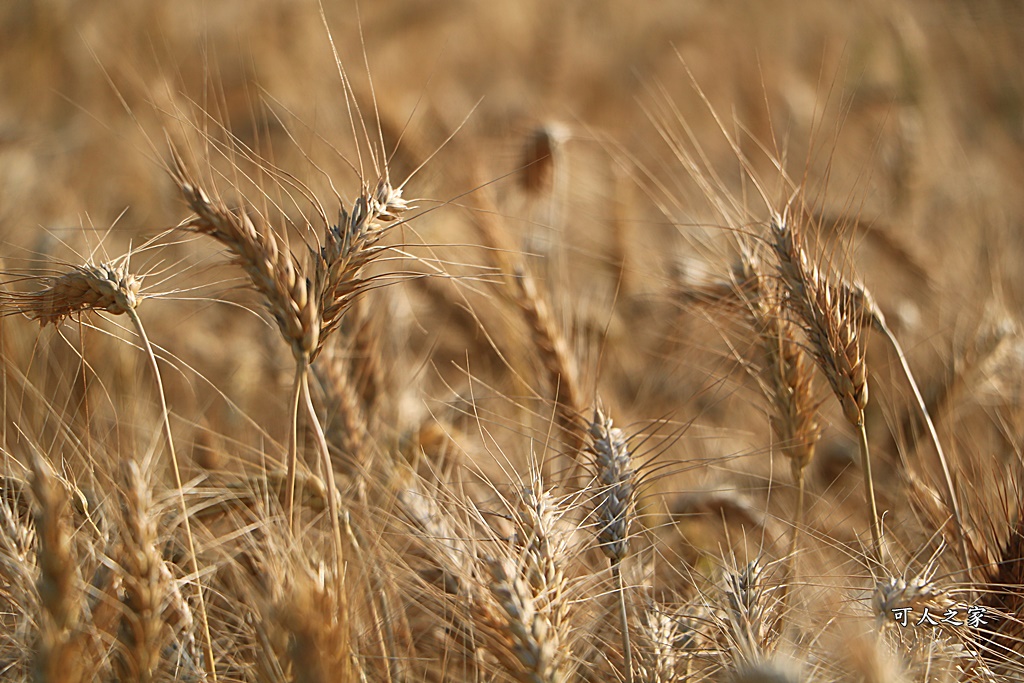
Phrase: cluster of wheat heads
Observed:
(519, 528)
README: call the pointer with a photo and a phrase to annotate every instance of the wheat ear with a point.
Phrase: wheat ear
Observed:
(58, 654)
(614, 509)
(142, 631)
(831, 321)
(789, 385)
(295, 302)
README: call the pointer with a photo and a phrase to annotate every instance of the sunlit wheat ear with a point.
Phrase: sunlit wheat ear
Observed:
(614, 508)
(349, 246)
(272, 269)
(143, 631)
(58, 654)
(518, 628)
(833, 324)
(657, 636)
(898, 593)
(788, 382)
(109, 287)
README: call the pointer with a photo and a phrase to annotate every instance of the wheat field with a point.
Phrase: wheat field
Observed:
(469, 341)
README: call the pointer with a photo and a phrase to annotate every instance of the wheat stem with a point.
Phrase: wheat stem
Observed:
(953, 501)
(325, 457)
(293, 449)
(627, 650)
(869, 490)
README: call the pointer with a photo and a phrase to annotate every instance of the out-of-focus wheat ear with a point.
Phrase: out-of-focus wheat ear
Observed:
(58, 653)
(109, 287)
(518, 631)
(368, 372)
(546, 333)
(871, 311)
(105, 613)
(556, 356)
(314, 615)
(348, 429)
(766, 672)
(1003, 595)
(833, 324)
(750, 612)
(614, 508)
(539, 158)
(143, 632)
(657, 658)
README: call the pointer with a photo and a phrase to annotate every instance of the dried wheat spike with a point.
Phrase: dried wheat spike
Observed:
(272, 269)
(917, 593)
(537, 518)
(146, 584)
(522, 636)
(790, 383)
(106, 287)
(750, 612)
(614, 498)
(539, 157)
(58, 652)
(348, 247)
(829, 316)
(659, 660)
